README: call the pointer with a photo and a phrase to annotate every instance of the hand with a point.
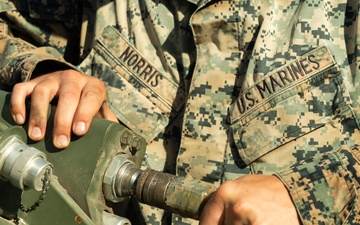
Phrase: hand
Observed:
(79, 98)
(252, 199)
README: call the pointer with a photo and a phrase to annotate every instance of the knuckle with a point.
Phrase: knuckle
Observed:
(18, 87)
(69, 74)
(98, 90)
(62, 127)
(99, 84)
(225, 189)
(240, 208)
(93, 96)
(41, 90)
(37, 119)
(70, 94)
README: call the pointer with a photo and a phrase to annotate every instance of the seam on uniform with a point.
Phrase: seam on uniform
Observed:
(3, 29)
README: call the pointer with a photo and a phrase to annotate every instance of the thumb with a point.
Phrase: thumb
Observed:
(213, 212)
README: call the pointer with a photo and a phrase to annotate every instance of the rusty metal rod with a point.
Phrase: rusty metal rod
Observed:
(182, 195)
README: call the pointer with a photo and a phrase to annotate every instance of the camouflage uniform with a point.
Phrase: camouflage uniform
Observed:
(218, 89)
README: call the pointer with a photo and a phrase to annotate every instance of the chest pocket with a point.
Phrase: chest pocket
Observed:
(141, 95)
(288, 103)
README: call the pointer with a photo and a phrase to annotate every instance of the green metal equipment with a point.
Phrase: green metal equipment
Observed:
(87, 183)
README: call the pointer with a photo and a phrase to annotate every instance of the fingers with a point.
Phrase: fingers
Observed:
(213, 212)
(17, 103)
(228, 207)
(68, 100)
(92, 99)
(250, 199)
(39, 105)
(80, 97)
(40, 98)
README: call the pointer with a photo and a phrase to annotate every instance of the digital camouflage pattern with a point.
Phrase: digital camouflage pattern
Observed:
(219, 89)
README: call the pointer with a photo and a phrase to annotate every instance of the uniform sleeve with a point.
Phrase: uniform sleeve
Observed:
(324, 188)
(20, 60)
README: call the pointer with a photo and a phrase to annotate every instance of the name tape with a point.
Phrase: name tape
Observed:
(281, 78)
(142, 73)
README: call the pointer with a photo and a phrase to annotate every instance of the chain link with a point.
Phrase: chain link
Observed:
(45, 188)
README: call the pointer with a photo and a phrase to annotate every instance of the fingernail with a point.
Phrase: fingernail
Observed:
(61, 141)
(80, 128)
(19, 119)
(35, 133)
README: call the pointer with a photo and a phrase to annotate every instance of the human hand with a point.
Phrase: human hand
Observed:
(79, 98)
(252, 199)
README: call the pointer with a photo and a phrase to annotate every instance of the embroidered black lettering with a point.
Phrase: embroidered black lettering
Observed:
(133, 59)
(313, 61)
(291, 76)
(151, 76)
(296, 69)
(291, 73)
(148, 70)
(263, 89)
(304, 65)
(284, 77)
(126, 54)
(248, 97)
(274, 83)
(241, 105)
(139, 65)
(155, 82)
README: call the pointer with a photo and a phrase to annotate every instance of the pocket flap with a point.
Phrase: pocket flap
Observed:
(143, 97)
(287, 103)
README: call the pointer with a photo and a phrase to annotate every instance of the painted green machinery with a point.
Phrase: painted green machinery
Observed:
(74, 195)
(87, 183)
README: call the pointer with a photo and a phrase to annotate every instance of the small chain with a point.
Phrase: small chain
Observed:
(16, 220)
(45, 188)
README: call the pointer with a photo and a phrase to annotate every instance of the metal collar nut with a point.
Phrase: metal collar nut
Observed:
(109, 181)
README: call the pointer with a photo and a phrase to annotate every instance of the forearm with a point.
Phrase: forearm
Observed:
(19, 60)
(25, 43)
